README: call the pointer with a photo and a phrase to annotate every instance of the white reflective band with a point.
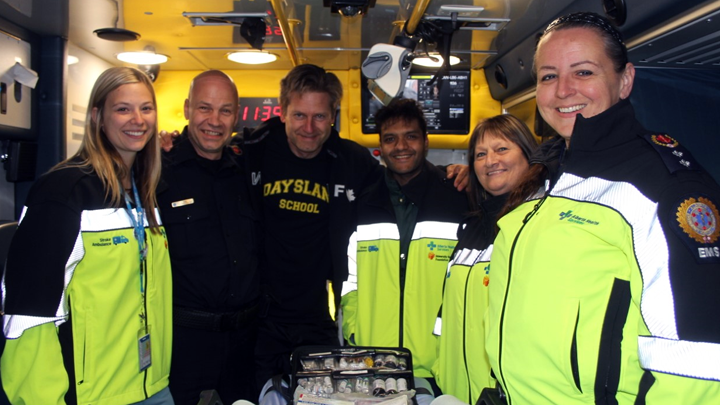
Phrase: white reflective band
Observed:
(377, 231)
(657, 305)
(15, 325)
(424, 229)
(22, 215)
(351, 283)
(435, 230)
(680, 357)
(107, 219)
(437, 330)
(103, 220)
(469, 257)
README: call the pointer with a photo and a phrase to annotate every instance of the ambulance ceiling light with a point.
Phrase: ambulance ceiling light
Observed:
(434, 60)
(252, 57)
(147, 56)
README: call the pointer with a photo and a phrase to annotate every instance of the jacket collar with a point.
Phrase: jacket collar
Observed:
(493, 205)
(414, 190)
(612, 127)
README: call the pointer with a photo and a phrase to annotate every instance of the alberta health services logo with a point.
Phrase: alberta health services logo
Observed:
(439, 252)
(577, 219)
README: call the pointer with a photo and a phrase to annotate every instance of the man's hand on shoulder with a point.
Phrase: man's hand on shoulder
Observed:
(167, 139)
(461, 173)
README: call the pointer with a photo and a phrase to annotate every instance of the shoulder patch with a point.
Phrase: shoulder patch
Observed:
(675, 156)
(696, 223)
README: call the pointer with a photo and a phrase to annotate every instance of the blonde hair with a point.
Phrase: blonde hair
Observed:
(97, 154)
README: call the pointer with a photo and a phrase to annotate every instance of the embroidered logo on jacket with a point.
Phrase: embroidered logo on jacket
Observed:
(119, 239)
(698, 218)
(440, 252)
(115, 240)
(576, 219)
(697, 227)
(665, 140)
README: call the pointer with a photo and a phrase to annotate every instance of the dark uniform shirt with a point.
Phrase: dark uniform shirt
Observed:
(211, 228)
(405, 214)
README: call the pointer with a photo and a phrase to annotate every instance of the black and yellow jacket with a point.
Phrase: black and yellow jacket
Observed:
(73, 301)
(605, 289)
(462, 368)
(381, 305)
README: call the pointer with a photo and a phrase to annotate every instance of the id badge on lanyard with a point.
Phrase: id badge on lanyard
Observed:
(138, 222)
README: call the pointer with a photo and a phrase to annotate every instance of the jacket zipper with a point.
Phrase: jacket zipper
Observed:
(145, 311)
(464, 344)
(402, 301)
(507, 289)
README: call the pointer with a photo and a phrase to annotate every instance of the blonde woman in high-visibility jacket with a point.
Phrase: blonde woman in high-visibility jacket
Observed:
(88, 290)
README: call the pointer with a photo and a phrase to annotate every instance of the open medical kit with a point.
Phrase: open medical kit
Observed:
(352, 375)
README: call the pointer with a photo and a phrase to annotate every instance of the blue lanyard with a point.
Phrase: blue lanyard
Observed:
(138, 227)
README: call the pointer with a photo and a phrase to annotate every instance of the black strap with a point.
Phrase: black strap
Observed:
(277, 385)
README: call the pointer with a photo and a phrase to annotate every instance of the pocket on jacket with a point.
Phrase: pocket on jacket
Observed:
(82, 348)
(569, 347)
(183, 225)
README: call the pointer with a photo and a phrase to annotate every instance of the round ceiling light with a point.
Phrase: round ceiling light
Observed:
(434, 60)
(142, 58)
(252, 58)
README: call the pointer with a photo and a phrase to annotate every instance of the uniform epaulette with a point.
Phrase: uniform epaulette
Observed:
(236, 149)
(675, 156)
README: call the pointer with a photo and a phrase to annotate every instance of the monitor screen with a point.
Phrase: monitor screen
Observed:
(446, 103)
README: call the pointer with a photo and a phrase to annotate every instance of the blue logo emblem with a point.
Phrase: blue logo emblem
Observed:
(119, 239)
(432, 245)
(565, 215)
(373, 248)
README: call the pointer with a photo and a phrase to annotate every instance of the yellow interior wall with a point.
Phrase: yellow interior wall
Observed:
(526, 111)
(172, 87)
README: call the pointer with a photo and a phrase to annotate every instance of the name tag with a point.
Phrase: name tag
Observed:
(183, 202)
(144, 349)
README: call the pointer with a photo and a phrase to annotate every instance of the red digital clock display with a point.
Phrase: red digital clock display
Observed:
(255, 110)
(258, 113)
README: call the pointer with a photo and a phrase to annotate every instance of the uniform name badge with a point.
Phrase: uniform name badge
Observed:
(144, 349)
